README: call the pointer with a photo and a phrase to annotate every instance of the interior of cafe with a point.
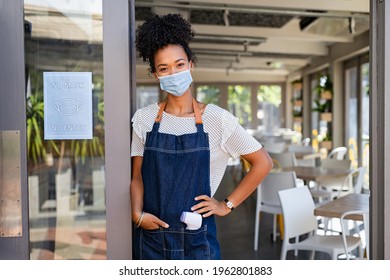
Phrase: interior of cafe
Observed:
(296, 75)
(299, 83)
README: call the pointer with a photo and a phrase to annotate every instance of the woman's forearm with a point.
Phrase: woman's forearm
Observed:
(136, 189)
(261, 164)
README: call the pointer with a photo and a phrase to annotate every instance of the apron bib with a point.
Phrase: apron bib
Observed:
(176, 169)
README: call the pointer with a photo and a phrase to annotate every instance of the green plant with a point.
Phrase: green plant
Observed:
(327, 137)
(36, 146)
(324, 84)
(328, 86)
(321, 107)
(81, 149)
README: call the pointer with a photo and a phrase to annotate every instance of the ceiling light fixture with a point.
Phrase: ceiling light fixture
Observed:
(226, 39)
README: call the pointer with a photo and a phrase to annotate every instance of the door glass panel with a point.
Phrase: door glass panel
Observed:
(66, 177)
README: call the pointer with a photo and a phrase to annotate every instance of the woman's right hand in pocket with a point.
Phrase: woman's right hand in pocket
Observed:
(151, 222)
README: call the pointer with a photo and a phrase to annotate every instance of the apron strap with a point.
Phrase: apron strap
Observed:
(160, 112)
(198, 115)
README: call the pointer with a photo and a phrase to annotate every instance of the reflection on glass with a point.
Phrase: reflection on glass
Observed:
(239, 104)
(66, 177)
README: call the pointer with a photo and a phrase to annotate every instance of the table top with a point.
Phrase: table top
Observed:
(335, 208)
(315, 173)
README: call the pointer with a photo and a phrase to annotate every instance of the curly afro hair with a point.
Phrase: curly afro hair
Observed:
(159, 31)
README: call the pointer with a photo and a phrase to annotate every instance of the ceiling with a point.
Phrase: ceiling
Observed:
(266, 37)
(242, 40)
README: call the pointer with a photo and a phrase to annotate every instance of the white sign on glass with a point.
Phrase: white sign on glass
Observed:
(68, 105)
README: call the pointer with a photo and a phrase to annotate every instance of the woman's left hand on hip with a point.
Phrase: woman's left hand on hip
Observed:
(210, 206)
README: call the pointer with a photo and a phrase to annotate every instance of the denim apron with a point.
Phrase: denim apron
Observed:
(176, 169)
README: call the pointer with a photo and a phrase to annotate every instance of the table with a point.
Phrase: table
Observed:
(335, 208)
(311, 173)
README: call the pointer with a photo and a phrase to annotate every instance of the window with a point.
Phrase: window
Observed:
(269, 99)
(239, 104)
(208, 94)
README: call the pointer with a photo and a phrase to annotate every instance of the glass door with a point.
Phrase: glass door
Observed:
(356, 72)
(65, 129)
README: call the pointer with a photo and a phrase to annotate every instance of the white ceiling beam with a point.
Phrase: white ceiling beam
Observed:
(289, 32)
(357, 6)
(272, 46)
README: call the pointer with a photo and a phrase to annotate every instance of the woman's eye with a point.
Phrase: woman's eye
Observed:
(162, 70)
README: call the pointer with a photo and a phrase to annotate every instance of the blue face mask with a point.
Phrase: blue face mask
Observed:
(176, 84)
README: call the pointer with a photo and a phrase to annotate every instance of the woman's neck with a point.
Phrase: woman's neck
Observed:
(180, 106)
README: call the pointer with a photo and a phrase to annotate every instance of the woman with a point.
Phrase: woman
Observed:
(180, 150)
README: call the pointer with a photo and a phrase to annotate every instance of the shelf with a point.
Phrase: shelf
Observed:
(327, 95)
(326, 144)
(326, 117)
(298, 119)
(298, 103)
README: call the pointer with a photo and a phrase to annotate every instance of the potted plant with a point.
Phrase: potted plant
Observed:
(324, 88)
(327, 89)
(322, 106)
(323, 103)
(326, 142)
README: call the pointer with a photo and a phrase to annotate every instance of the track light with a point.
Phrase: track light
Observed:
(351, 25)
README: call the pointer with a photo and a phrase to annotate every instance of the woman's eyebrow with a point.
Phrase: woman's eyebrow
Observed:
(165, 64)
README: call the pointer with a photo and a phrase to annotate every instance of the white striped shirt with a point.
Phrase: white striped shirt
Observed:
(227, 138)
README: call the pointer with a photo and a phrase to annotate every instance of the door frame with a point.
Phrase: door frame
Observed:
(13, 112)
(119, 80)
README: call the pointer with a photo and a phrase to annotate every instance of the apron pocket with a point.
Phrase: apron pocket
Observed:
(151, 245)
(175, 244)
(182, 244)
(197, 246)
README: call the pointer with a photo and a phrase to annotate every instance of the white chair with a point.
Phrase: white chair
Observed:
(336, 163)
(345, 231)
(303, 151)
(285, 159)
(329, 188)
(299, 220)
(338, 153)
(267, 198)
(306, 141)
(275, 147)
(353, 183)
